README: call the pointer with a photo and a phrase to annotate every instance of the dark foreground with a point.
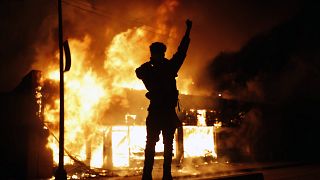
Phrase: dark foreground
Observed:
(254, 171)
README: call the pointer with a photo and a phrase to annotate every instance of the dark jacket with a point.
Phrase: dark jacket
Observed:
(159, 78)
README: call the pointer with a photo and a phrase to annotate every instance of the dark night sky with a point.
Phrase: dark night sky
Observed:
(218, 26)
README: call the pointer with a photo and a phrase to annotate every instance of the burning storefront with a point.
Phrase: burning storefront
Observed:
(113, 138)
(99, 139)
(94, 147)
(117, 140)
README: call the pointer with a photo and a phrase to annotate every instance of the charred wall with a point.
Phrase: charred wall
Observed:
(23, 137)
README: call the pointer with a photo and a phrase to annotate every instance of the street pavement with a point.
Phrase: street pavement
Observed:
(269, 171)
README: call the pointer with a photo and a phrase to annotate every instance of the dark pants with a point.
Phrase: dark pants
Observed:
(165, 121)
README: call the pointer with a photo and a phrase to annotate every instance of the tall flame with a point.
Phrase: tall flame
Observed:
(84, 96)
(126, 52)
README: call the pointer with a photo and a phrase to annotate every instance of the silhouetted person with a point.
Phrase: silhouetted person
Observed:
(158, 76)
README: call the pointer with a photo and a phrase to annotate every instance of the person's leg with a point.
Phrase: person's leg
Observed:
(152, 138)
(168, 134)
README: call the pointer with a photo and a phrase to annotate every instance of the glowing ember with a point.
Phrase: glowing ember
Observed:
(38, 96)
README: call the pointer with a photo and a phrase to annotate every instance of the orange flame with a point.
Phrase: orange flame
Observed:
(88, 94)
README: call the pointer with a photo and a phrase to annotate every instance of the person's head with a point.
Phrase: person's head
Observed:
(157, 50)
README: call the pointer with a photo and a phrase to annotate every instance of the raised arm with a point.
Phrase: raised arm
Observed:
(189, 25)
(180, 55)
(184, 44)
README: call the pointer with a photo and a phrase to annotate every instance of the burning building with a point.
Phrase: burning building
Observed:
(105, 107)
(104, 119)
(107, 138)
(95, 142)
(117, 139)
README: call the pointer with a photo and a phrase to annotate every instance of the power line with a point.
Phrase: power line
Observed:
(102, 13)
(89, 7)
(108, 15)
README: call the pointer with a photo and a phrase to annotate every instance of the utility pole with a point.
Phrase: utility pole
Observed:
(61, 173)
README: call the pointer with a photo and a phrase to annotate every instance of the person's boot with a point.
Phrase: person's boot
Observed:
(167, 177)
(148, 163)
(146, 176)
(167, 164)
(166, 172)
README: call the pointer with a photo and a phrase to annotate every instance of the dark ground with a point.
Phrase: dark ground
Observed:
(270, 171)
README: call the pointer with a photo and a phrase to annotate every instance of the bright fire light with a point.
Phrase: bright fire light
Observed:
(89, 93)
(201, 117)
(198, 141)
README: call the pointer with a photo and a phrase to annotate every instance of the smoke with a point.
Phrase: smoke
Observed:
(279, 71)
(19, 30)
(267, 68)
(239, 144)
